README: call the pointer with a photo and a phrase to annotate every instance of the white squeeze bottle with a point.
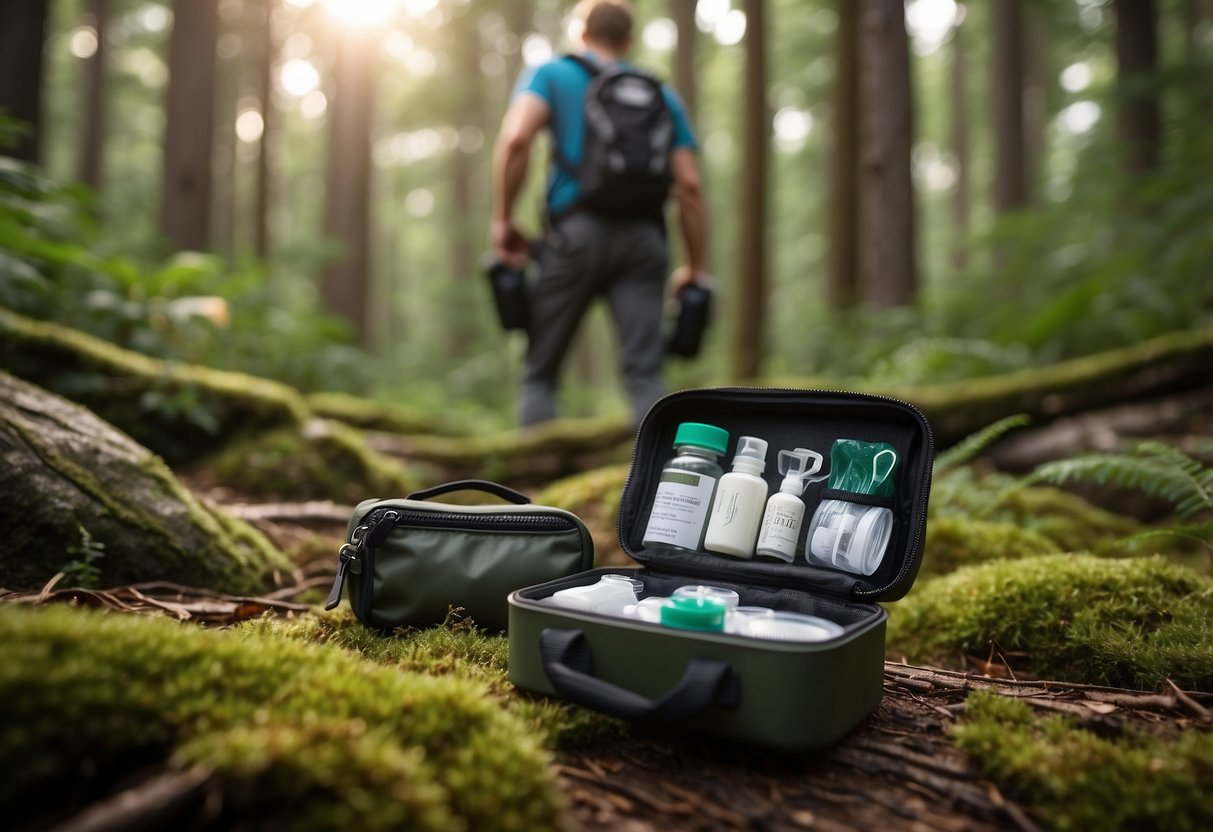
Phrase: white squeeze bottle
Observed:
(740, 497)
(685, 487)
(785, 510)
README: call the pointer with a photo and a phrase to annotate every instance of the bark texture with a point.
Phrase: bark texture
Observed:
(70, 482)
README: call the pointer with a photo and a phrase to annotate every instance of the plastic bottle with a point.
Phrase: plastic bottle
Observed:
(685, 488)
(740, 497)
(785, 510)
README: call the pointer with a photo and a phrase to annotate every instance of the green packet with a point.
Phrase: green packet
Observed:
(863, 467)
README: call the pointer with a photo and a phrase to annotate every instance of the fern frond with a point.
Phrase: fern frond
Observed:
(1202, 534)
(975, 443)
(1152, 468)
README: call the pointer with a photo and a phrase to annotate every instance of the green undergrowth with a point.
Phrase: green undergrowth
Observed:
(1126, 622)
(1074, 779)
(300, 736)
(455, 649)
(319, 460)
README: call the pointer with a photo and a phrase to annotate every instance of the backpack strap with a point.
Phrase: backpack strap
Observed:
(557, 155)
(584, 62)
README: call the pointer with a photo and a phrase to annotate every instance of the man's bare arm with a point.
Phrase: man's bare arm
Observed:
(511, 156)
(692, 216)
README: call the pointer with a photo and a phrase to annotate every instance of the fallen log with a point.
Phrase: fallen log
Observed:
(80, 496)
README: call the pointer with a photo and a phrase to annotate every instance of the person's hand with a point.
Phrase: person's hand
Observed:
(684, 276)
(509, 245)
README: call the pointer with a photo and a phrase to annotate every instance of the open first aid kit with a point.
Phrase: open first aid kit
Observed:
(768, 524)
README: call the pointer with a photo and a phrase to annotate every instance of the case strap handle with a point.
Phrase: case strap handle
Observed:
(569, 666)
(494, 488)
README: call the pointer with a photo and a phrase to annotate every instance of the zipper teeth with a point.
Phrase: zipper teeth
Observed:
(923, 481)
(453, 519)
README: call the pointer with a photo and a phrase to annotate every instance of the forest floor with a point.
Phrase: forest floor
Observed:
(899, 769)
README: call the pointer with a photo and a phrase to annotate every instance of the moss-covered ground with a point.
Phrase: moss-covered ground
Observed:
(1127, 622)
(1077, 780)
(308, 724)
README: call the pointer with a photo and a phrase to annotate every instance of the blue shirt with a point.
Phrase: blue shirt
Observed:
(562, 84)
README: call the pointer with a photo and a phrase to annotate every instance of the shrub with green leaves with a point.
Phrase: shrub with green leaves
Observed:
(1130, 622)
(1076, 780)
(301, 736)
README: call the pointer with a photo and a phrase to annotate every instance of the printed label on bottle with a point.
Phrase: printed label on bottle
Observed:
(780, 528)
(679, 509)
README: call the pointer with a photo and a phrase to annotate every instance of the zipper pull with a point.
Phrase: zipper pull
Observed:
(347, 561)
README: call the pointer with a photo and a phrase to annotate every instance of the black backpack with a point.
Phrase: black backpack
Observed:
(629, 132)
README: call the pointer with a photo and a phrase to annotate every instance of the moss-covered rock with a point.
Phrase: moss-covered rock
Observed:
(82, 496)
(1130, 622)
(178, 410)
(1076, 780)
(299, 736)
(318, 459)
(953, 542)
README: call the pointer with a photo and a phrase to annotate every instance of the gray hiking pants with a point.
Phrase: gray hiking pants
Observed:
(624, 260)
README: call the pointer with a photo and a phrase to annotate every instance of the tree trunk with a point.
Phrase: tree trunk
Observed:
(189, 127)
(467, 198)
(22, 35)
(92, 135)
(1138, 122)
(1037, 75)
(261, 210)
(685, 79)
(842, 267)
(77, 489)
(1010, 190)
(960, 149)
(751, 296)
(886, 200)
(347, 193)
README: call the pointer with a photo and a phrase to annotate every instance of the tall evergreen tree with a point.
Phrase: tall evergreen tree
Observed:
(347, 191)
(22, 35)
(887, 261)
(189, 124)
(960, 146)
(682, 12)
(1010, 182)
(1139, 123)
(842, 265)
(92, 134)
(751, 291)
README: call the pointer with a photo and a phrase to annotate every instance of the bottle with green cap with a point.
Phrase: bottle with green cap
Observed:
(685, 488)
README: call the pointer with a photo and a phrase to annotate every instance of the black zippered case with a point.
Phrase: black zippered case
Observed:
(785, 694)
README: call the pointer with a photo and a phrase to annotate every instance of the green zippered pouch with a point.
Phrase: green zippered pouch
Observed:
(409, 562)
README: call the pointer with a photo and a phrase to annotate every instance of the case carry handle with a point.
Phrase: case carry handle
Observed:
(569, 666)
(494, 488)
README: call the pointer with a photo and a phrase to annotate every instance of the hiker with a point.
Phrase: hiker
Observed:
(605, 226)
